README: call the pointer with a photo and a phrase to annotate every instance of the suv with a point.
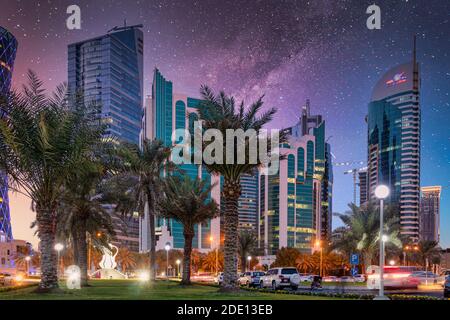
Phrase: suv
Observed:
(250, 278)
(277, 278)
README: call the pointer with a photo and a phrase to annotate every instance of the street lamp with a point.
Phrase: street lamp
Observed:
(27, 259)
(167, 247)
(249, 259)
(382, 192)
(59, 247)
(319, 246)
(392, 262)
(178, 267)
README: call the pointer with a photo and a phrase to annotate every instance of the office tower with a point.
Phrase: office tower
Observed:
(168, 112)
(430, 213)
(394, 142)
(363, 179)
(8, 48)
(248, 203)
(295, 203)
(108, 72)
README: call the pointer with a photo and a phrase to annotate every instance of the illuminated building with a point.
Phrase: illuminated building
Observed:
(248, 203)
(394, 142)
(8, 48)
(362, 177)
(108, 72)
(430, 213)
(164, 112)
(295, 204)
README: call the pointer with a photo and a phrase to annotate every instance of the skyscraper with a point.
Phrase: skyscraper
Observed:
(430, 213)
(108, 72)
(362, 177)
(248, 203)
(394, 142)
(170, 111)
(8, 48)
(295, 204)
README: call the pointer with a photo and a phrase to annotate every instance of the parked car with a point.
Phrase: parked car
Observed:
(359, 278)
(7, 279)
(447, 287)
(219, 278)
(330, 279)
(306, 277)
(346, 279)
(277, 278)
(425, 277)
(250, 278)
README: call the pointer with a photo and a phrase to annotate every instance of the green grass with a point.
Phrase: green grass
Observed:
(133, 290)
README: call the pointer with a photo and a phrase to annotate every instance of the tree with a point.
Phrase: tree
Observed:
(247, 242)
(427, 251)
(196, 260)
(220, 113)
(209, 261)
(42, 139)
(187, 201)
(362, 230)
(126, 259)
(286, 257)
(144, 168)
(304, 263)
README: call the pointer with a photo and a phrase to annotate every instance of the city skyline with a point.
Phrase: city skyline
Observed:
(250, 59)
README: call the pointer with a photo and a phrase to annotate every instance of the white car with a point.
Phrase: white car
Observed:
(278, 278)
(330, 279)
(359, 278)
(250, 278)
(219, 278)
(306, 277)
(346, 279)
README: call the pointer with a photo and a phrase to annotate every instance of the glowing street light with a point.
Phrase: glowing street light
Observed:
(167, 248)
(59, 247)
(249, 259)
(382, 192)
(211, 239)
(392, 262)
(28, 259)
(178, 267)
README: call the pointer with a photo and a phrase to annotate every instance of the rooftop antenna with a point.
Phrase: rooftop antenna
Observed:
(415, 66)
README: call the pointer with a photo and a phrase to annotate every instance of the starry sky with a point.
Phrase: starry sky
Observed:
(288, 50)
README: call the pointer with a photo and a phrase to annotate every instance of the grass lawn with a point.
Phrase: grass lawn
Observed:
(133, 290)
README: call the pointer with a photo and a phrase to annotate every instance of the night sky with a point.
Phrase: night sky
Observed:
(288, 50)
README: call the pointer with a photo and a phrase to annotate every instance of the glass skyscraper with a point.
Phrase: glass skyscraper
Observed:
(8, 48)
(248, 203)
(394, 143)
(108, 72)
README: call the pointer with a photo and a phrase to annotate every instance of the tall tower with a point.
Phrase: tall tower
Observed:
(108, 72)
(394, 142)
(8, 48)
(430, 213)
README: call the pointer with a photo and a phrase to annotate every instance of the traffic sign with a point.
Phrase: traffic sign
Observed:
(354, 259)
(354, 271)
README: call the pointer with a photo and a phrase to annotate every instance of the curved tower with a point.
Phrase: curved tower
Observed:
(8, 47)
(394, 142)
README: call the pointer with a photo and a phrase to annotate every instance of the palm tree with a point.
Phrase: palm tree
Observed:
(82, 212)
(187, 201)
(362, 230)
(145, 168)
(220, 113)
(196, 260)
(209, 261)
(247, 242)
(428, 251)
(126, 259)
(304, 263)
(42, 139)
(286, 257)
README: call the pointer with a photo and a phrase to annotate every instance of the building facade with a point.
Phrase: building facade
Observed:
(362, 183)
(9, 252)
(165, 112)
(108, 72)
(248, 203)
(295, 204)
(430, 213)
(8, 48)
(394, 143)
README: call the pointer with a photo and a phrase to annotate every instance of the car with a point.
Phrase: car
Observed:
(447, 287)
(330, 279)
(306, 277)
(250, 278)
(425, 277)
(278, 278)
(219, 278)
(346, 279)
(7, 280)
(359, 278)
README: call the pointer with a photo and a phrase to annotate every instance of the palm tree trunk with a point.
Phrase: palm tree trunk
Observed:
(188, 236)
(151, 227)
(82, 257)
(231, 193)
(49, 270)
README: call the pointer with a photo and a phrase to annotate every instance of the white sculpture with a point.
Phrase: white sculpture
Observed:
(109, 257)
(73, 277)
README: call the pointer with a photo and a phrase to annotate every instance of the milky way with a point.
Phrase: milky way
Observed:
(288, 50)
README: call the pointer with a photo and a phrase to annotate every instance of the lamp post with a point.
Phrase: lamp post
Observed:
(382, 192)
(178, 267)
(249, 259)
(27, 259)
(167, 247)
(59, 247)
(319, 246)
